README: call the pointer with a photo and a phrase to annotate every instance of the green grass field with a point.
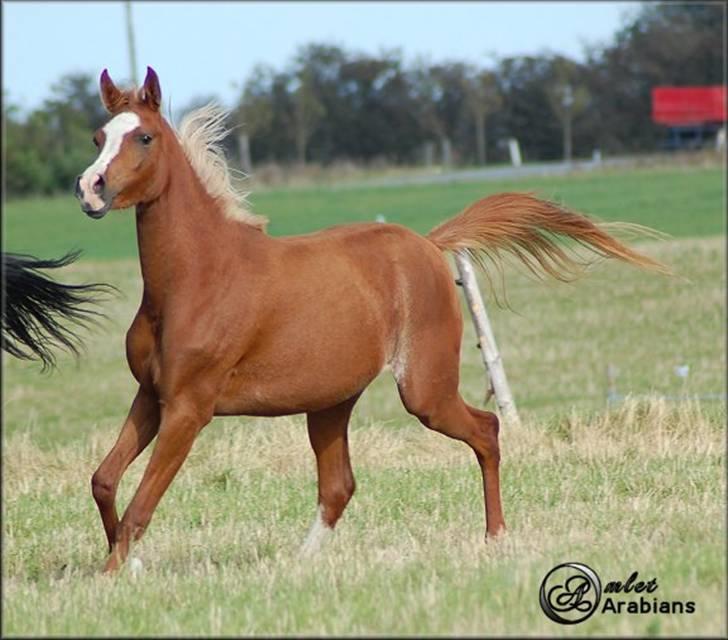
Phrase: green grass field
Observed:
(637, 486)
(681, 202)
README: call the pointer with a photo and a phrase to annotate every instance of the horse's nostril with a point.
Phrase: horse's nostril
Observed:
(98, 186)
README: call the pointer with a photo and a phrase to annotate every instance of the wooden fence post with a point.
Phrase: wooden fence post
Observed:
(486, 340)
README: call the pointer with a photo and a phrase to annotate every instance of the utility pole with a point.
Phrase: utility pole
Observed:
(130, 38)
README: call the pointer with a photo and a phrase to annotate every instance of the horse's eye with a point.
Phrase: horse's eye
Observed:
(145, 139)
(95, 141)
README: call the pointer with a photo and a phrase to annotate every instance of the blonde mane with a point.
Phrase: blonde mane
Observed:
(201, 133)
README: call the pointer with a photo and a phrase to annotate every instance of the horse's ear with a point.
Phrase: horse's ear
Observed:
(111, 97)
(151, 93)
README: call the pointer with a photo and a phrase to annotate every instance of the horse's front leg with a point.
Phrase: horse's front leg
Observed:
(139, 429)
(180, 424)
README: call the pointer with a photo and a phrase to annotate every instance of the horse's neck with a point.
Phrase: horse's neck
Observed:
(184, 236)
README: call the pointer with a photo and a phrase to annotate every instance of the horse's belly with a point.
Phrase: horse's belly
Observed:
(327, 340)
(262, 390)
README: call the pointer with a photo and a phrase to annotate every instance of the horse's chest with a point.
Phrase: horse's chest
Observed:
(143, 352)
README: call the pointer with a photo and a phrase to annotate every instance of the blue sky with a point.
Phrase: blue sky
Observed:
(202, 49)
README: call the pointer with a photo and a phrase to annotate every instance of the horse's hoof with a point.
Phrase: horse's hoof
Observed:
(111, 566)
(495, 536)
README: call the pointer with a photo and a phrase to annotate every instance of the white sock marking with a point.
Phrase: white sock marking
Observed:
(317, 535)
(135, 566)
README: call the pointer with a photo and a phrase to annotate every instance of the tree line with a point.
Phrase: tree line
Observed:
(331, 104)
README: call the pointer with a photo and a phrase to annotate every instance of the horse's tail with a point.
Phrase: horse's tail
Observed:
(35, 307)
(533, 231)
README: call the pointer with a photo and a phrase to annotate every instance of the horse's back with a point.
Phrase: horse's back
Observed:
(388, 259)
(403, 277)
(366, 245)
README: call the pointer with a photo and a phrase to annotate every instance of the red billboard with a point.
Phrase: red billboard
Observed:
(675, 106)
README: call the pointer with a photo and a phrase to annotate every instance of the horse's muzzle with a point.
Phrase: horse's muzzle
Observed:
(96, 214)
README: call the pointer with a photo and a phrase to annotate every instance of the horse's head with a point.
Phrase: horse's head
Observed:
(130, 168)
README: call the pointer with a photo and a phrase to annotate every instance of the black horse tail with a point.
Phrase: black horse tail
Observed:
(35, 308)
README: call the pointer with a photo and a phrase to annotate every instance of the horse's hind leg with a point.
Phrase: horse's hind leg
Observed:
(429, 390)
(487, 451)
(138, 431)
(327, 431)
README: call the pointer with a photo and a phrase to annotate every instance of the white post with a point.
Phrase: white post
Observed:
(486, 339)
(446, 152)
(429, 153)
(244, 148)
(515, 151)
(720, 139)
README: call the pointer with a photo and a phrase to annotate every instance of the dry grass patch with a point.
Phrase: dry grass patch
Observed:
(639, 486)
(620, 490)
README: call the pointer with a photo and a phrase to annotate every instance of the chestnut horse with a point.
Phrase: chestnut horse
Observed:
(233, 321)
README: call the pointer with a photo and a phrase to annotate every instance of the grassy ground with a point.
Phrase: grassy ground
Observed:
(639, 486)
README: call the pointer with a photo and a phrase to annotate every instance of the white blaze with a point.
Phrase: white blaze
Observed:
(114, 130)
